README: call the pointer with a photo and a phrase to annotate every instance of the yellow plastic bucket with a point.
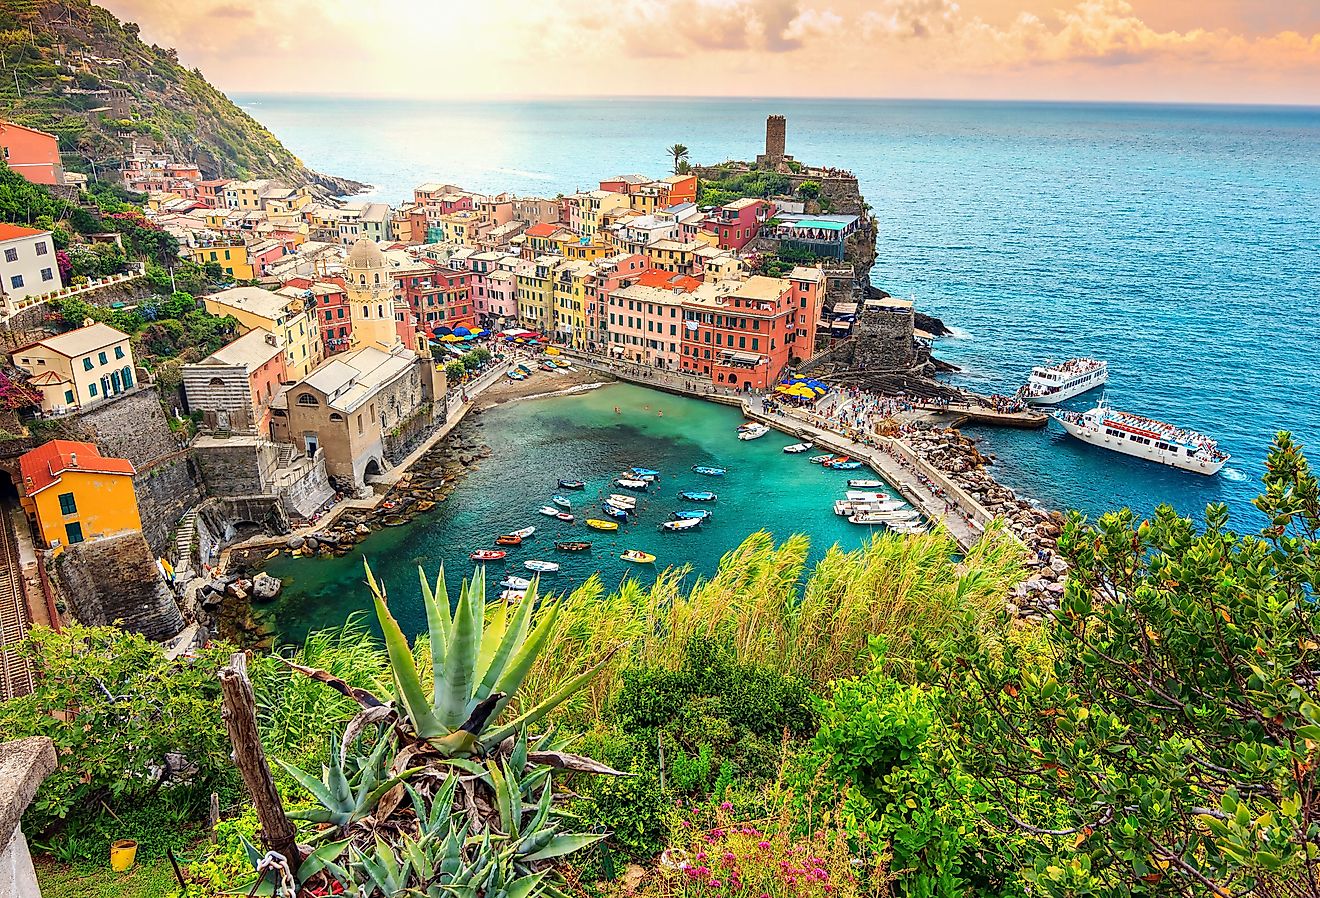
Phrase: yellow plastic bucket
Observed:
(122, 854)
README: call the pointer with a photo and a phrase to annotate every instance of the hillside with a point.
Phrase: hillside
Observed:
(72, 68)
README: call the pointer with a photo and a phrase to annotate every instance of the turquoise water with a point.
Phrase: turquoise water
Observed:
(1180, 243)
(581, 437)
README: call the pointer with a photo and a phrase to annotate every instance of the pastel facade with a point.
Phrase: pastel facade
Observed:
(78, 368)
(646, 324)
(28, 266)
(286, 313)
(232, 257)
(736, 224)
(739, 334)
(73, 494)
(31, 153)
(238, 382)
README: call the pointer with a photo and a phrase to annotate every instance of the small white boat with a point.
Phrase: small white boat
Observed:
(630, 484)
(513, 595)
(549, 511)
(619, 500)
(865, 484)
(867, 495)
(908, 527)
(564, 503)
(883, 517)
(681, 524)
(520, 583)
(820, 459)
(845, 508)
(541, 567)
(525, 532)
(753, 432)
(798, 447)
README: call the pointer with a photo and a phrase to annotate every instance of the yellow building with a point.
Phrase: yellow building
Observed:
(78, 368)
(463, 227)
(232, 257)
(536, 292)
(570, 294)
(289, 317)
(73, 494)
(673, 255)
(371, 302)
(598, 204)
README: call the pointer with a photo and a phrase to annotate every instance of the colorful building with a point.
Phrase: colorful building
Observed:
(232, 256)
(73, 494)
(739, 334)
(27, 265)
(536, 292)
(680, 189)
(736, 224)
(287, 313)
(78, 368)
(645, 324)
(330, 304)
(238, 382)
(31, 153)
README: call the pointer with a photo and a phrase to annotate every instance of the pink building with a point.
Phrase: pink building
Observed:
(264, 254)
(736, 224)
(211, 194)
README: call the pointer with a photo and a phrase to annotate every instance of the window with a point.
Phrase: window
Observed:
(41, 248)
(100, 357)
(16, 281)
(87, 364)
(119, 352)
(68, 505)
(47, 274)
(11, 255)
(91, 389)
(307, 399)
(68, 397)
(359, 419)
(73, 532)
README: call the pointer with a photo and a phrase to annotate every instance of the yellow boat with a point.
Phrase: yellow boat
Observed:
(595, 524)
(637, 556)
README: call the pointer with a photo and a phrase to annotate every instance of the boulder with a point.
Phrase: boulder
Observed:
(265, 587)
(295, 542)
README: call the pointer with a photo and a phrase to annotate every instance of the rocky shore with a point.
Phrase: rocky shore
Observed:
(958, 457)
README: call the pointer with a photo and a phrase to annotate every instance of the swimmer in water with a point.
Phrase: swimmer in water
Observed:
(616, 410)
(660, 414)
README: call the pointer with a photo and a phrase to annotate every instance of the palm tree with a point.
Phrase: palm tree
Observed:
(680, 154)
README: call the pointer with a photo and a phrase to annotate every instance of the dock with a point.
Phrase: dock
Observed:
(966, 413)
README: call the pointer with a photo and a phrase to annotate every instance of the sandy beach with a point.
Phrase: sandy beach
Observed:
(541, 383)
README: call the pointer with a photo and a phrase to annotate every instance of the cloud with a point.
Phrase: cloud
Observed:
(689, 26)
(909, 18)
(231, 11)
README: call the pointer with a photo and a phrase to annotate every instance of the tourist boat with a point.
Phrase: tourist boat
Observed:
(519, 583)
(644, 473)
(883, 517)
(595, 524)
(488, 555)
(1144, 438)
(698, 496)
(866, 496)
(561, 501)
(682, 524)
(573, 546)
(907, 527)
(845, 507)
(755, 431)
(549, 511)
(614, 511)
(797, 448)
(565, 517)
(508, 539)
(695, 514)
(1052, 384)
(630, 484)
(820, 459)
(865, 484)
(541, 567)
(525, 532)
(637, 556)
(710, 471)
(845, 465)
(572, 484)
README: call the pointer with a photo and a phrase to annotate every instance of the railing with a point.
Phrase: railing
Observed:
(14, 306)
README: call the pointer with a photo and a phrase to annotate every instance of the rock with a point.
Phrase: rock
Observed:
(294, 542)
(1058, 565)
(311, 543)
(265, 587)
(362, 530)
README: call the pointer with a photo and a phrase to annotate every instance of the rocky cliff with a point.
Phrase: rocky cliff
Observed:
(75, 70)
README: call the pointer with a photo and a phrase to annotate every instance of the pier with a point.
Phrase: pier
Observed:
(967, 413)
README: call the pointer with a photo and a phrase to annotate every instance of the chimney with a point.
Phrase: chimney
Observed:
(270, 340)
(73, 459)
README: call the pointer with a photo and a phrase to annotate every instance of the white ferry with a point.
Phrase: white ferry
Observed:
(1052, 384)
(1145, 438)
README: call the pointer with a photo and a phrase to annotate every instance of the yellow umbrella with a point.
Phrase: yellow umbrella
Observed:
(802, 392)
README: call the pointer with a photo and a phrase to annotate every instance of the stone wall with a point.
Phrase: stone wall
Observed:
(166, 489)
(238, 466)
(124, 291)
(883, 340)
(132, 426)
(409, 433)
(224, 521)
(116, 581)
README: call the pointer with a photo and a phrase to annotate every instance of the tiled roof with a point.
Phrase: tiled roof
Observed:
(43, 465)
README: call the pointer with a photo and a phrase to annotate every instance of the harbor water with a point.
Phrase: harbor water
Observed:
(581, 436)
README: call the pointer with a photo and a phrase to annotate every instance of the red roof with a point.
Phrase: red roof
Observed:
(654, 277)
(542, 230)
(13, 232)
(43, 465)
(299, 282)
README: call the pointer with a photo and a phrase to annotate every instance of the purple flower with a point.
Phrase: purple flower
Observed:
(714, 883)
(763, 845)
(726, 806)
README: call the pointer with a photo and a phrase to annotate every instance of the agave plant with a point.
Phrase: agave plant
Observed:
(317, 870)
(346, 796)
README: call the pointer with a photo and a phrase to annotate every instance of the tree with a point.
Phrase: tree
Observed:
(1166, 740)
(455, 371)
(809, 190)
(679, 154)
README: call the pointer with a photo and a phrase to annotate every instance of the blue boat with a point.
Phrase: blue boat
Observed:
(561, 501)
(845, 465)
(615, 511)
(695, 514)
(644, 473)
(709, 470)
(698, 496)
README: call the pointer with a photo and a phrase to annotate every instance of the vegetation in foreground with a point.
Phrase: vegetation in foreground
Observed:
(878, 726)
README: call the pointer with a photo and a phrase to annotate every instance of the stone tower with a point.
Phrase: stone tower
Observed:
(370, 296)
(774, 156)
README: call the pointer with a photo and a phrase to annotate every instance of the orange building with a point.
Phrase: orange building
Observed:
(682, 189)
(72, 493)
(33, 154)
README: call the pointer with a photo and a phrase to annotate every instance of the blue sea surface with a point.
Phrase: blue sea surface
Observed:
(1180, 243)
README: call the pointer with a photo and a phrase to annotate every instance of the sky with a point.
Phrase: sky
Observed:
(1207, 51)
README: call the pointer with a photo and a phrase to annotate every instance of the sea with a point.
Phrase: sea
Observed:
(1179, 243)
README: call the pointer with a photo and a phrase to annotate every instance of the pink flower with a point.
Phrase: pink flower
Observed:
(726, 806)
(714, 883)
(729, 857)
(763, 845)
(701, 855)
(687, 824)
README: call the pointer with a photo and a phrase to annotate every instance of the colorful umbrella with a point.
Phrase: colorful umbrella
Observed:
(461, 331)
(442, 331)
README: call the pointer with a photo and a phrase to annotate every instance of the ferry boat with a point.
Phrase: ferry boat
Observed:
(1052, 384)
(1146, 438)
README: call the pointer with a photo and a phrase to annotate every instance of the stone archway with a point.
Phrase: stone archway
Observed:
(374, 468)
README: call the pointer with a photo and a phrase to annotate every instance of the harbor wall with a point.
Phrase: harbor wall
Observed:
(166, 489)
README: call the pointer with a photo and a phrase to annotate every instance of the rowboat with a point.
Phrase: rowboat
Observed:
(561, 501)
(755, 432)
(637, 556)
(614, 511)
(543, 567)
(487, 555)
(525, 532)
(549, 511)
(820, 459)
(695, 514)
(565, 517)
(508, 539)
(512, 582)
(682, 524)
(865, 484)
(621, 501)
(698, 496)
(572, 484)
(629, 483)
(644, 473)
(574, 546)
(798, 447)
(845, 465)
(710, 470)
(595, 524)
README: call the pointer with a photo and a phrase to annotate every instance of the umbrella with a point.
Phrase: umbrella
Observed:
(801, 392)
(467, 338)
(816, 384)
(462, 332)
(450, 338)
(442, 331)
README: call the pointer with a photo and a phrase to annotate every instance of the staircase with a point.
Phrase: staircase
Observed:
(185, 538)
(286, 455)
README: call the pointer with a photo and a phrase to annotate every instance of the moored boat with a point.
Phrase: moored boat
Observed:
(487, 555)
(710, 470)
(1052, 384)
(682, 524)
(883, 517)
(797, 448)
(549, 511)
(820, 459)
(692, 514)
(629, 483)
(513, 595)
(637, 556)
(1144, 438)
(519, 583)
(866, 495)
(561, 501)
(565, 517)
(753, 432)
(572, 484)
(614, 511)
(508, 539)
(596, 524)
(541, 567)
(644, 473)
(620, 500)
(865, 484)
(845, 465)
(573, 546)
(698, 495)
(524, 532)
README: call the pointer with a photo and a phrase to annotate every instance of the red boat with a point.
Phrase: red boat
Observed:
(509, 539)
(487, 555)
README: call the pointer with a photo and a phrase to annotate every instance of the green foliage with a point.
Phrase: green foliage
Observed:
(809, 190)
(732, 185)
(632, 809)
(679, 154)
(350, 784)
(455, 371)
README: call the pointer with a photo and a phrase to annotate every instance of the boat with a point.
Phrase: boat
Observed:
(644, 473)
(865, 484)
(524, 532)
(516, 375)
(629, 483)
(883, 517)
(682, 524)
(710, 470)
(619, 500)
(541, 567)
(549, 511)
(561, 501)
(1144, 438)
(614, 511)
(565, 517)
(756, 431)
(488, 555)
(845, 507)
(519, 583)
(797, 448)
(845, 465)
(572, 484)
(694, 514)
(508, 539)
(866, 496)
(820, 459)
(595, 524)
(513, 595)
(698, 496)
(637, 556)
(1052, 384)
(573, 546)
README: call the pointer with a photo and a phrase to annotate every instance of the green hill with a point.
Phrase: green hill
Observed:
(72, 68)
